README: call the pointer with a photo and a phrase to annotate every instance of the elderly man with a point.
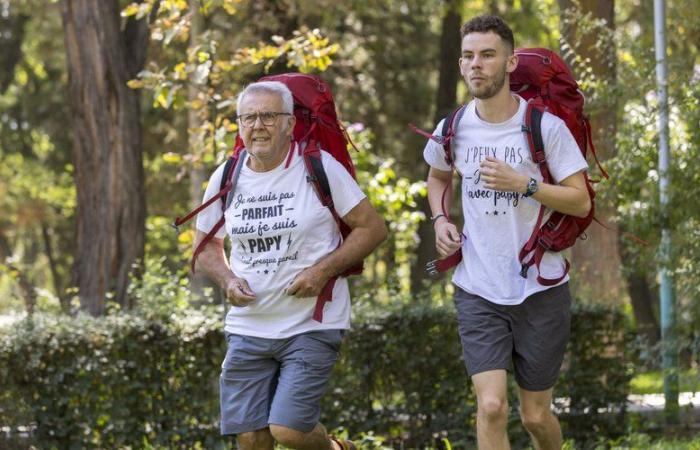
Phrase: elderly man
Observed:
(285, 247)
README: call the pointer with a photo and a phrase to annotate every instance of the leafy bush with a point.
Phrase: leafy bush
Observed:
(401, 374)
(597, 373)
(112, 382)
(128, 381)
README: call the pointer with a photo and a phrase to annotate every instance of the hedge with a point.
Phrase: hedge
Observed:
(128, 382)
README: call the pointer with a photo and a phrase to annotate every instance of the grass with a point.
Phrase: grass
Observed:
(653, 382)
(644, 442)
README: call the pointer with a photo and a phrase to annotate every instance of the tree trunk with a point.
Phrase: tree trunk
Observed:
(596, 261)
(56, 278)
(450, 50)
(642, 297)
(11, 38)
(101, 58)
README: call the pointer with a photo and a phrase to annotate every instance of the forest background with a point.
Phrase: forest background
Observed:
(114, 113)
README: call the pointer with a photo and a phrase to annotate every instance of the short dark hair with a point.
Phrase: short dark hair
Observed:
(486, 23)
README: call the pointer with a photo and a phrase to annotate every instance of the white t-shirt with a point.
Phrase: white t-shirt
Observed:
(498, 224)
(278, 227)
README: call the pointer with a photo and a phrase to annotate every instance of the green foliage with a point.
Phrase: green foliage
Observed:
(598, 369)
(158, 293)
(127, 379)
(37, 196)
(635, 169)
(638, 441)
(401, 375)
(653, 382)
(203, 77)
(395, 199)
(405, 378)
(112, 382)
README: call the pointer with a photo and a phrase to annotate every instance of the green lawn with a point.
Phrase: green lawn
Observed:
(644, 442)
(653, 383)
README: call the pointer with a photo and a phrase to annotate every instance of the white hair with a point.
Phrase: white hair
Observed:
(274, 87)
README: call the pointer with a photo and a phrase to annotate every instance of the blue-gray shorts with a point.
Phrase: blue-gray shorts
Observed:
(276, 381)
(532, 335)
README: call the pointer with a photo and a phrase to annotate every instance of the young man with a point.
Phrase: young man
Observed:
(505, 319)
(285, 247)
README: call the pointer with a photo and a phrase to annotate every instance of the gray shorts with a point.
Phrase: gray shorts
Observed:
(276, 381)
(532, 335)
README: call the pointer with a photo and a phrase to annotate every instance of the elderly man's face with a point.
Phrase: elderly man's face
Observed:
(267, 144)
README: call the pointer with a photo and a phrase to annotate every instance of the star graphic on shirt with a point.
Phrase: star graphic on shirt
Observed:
(266, 271)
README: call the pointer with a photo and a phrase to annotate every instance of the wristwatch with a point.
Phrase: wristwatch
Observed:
(531, 188)
(436, 217)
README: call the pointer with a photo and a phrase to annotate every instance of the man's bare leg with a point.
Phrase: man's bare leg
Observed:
(538, 419)
(316, 439)
(492, 410)
(256, 440)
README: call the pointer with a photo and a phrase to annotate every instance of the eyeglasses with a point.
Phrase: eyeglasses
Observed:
(267, 118)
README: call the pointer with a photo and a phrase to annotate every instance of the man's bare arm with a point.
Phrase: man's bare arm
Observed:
(368, 231)
(212, 261)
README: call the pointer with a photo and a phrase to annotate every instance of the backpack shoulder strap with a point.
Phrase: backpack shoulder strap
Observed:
(448, 132)
(232, 171)
(536, 243)
(533, 132)
(449, 129)
(227, 169)
(229, 178)
(316, 175)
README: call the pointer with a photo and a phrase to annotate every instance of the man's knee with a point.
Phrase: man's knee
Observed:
(254, 440)
(288, 437)
(535, 420)
(493, 408)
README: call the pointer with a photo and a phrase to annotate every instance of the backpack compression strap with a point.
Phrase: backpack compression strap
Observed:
(589, 141)
(537, 242)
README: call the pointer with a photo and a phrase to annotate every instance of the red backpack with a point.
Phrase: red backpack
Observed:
(317, 127)
(545, 81)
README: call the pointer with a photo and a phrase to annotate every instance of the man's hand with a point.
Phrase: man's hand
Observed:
(308, 283)
(447, 238)
(238, 292)
(500, 176)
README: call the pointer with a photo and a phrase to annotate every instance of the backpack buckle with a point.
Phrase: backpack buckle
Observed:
(439, 139)
(545, 242)
(539, 156)
(523, 270)
(525, 129)
(431, 268)
(311, 179)
(176, 227)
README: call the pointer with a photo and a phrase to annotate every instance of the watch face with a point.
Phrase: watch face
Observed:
(531, 187)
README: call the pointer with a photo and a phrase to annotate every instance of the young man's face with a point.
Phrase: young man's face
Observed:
(485, 61)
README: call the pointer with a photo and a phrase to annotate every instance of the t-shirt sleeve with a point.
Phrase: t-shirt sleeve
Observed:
(434, 153)
(208, 217)
(344, 189)
(564, 158)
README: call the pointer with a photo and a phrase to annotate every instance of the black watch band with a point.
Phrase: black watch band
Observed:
(436, 217)
(531, 188)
